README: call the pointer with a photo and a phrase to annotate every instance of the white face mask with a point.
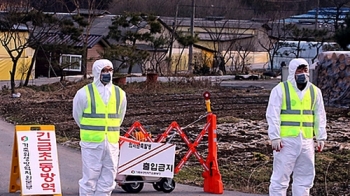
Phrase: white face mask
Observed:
(302, 78)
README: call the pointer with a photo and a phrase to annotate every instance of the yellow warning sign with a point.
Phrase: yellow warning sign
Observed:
(35, 168)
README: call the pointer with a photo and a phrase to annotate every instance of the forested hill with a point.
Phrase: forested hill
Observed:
(234, 9)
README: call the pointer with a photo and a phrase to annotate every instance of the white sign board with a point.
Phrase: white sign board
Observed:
(38, 162)
(147, 159)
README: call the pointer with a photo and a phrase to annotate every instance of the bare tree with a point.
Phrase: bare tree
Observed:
(334, 17)
(320, 37)
(185, 40)
(232, 41)
(243, 58)
(63, 40)
(84, 15)
(21, 28)
(297, 34)
(342, 36)
(126, 55)
(274, 32)
(303, 34)
(157, 58)
(218, 32)
(131, 29)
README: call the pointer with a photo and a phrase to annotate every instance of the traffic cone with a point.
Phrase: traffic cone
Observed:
(212, 178)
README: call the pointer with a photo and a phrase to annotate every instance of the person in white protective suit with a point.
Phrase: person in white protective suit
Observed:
(99, 109)
(295, 114)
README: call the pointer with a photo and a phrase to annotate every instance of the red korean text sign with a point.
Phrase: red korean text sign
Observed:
(37, 160)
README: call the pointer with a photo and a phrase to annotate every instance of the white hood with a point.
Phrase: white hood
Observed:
(98, 66)
(293, 65)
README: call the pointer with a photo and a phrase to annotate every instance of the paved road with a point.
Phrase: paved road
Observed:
(70, 171)
(224, 81)
(239, 84)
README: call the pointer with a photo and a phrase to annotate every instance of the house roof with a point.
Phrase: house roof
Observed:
(101, 25)
(223, 37)
(324, 15)
(57, 39)
(325, 21)
(94, 11)
(150, 48)
(205, 23)
(20, 27)
(204, 48)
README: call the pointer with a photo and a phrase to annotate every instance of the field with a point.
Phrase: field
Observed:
(244, 151)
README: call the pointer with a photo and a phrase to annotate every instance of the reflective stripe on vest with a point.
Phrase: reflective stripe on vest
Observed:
(297, 115)
(99, 119)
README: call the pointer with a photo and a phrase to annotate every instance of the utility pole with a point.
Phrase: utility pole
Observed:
(316, 15)
(190, 49)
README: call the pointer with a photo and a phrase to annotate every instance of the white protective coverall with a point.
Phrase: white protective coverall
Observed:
(100, 160)
(297, 154)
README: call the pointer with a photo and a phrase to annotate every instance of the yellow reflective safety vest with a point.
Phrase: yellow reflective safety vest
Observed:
(297, 115)
(99, 119)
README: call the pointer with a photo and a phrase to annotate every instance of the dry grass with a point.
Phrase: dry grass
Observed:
(182, 85)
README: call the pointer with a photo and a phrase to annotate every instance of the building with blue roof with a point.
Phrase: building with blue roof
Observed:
(325, 17)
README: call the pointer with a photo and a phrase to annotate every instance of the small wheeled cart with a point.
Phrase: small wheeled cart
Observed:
(147, 162)
(134, 184)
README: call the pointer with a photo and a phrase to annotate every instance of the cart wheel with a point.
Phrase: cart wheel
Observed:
(166, 185)
(133, 187)
(157, 186)
(125, 188)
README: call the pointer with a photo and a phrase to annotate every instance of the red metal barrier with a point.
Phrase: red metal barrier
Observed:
(191, 146)
(211, 174)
